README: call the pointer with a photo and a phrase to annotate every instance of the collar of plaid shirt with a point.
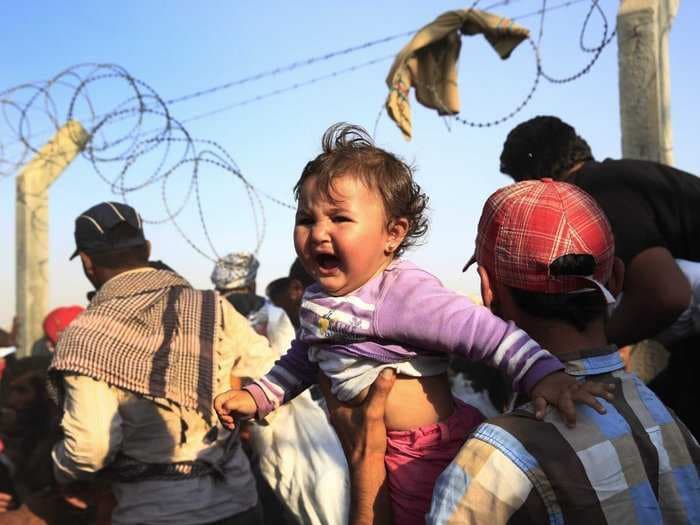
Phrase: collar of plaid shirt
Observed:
(592, 361)
(148, 332)
(582, 363)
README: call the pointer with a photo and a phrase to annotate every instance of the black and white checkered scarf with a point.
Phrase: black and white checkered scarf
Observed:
(148, 332)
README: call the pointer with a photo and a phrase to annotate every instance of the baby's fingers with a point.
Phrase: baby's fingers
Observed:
(567, 408)
(588, 391)
(227, 421)
(540, 405)
(220, 401)
(603, 390)
(585, 397)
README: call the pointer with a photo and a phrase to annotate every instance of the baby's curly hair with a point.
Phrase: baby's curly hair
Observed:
(348, 149)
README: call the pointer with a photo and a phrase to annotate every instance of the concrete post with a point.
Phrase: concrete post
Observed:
(32, 233)
(643, 28)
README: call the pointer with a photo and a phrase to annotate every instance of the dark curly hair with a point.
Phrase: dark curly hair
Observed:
(542, 147)
(348, 149)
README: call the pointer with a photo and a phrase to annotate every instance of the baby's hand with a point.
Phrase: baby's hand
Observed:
(234, 404)
(562, 390)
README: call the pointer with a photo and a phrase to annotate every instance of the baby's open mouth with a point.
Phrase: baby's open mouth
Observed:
(327, 261)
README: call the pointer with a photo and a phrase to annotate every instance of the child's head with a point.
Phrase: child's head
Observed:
(358, 208)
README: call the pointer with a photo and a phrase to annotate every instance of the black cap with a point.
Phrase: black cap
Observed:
(92, 228)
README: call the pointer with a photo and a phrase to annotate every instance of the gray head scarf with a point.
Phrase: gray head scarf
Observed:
(235, 270)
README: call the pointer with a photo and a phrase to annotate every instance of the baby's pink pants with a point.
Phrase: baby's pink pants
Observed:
(415, 458)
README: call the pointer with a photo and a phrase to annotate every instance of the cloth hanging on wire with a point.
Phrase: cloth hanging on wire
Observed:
(428, 63)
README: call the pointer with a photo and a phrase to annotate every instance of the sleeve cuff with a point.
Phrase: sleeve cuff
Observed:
(261, 400)
(539, 369)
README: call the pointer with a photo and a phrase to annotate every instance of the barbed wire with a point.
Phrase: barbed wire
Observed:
(540, 73)
(291, 87)
(287, 68)
(118, 142)
(142, 124)
(367, 45)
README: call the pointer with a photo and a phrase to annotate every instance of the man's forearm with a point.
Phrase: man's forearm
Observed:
(371, 504)
(635, 319)
(655, 294)
(363, 435)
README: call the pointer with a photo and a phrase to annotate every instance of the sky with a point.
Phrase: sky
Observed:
(187, 47)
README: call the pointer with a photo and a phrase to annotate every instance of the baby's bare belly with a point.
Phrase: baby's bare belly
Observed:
(415, 402)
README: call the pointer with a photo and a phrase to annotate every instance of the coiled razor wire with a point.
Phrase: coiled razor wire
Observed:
(539, 73)
(113, 151)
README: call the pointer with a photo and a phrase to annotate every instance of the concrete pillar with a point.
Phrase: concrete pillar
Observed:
(643, 28)
(32, 232)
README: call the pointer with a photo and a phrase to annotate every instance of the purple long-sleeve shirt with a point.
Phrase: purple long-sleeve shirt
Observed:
(393, 317)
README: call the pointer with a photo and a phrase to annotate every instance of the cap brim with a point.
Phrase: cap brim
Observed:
(75, 254)
(471, 261)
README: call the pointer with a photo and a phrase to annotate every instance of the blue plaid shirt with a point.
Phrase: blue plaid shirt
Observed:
(635, 464)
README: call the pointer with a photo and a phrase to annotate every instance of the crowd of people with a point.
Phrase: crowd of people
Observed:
(363, 391)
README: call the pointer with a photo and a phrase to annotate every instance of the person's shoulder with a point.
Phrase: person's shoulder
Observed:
(407, 273)
(593, 171)
(274, 312)
(492, 446)
(76, 333)
(278, 320)
(634, 170)
(231, 321)
(471, 486)
(502, 432)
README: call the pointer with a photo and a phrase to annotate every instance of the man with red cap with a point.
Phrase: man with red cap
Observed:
(653, 212)
(545, 255)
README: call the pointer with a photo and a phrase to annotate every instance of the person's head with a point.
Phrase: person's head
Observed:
(276, 291)
(297, 282)
(236, 272)
(57, 320)
(543, 147)
(358, 208)
(26, 389)
(545, 252)
(109, 239)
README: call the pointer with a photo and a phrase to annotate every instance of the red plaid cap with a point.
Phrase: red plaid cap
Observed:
(527, 226)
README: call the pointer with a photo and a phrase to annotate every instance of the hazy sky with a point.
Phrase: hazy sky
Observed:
(190, 46)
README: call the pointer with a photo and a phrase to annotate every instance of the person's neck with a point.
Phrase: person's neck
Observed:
(107, 274)
(561, 338)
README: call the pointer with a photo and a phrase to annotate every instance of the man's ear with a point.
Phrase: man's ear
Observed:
(88, 266)
(148, 249)
(397, 230)
(488, 293)
(617, 277)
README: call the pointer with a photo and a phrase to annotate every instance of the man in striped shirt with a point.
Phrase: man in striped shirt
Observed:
(544, 251)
